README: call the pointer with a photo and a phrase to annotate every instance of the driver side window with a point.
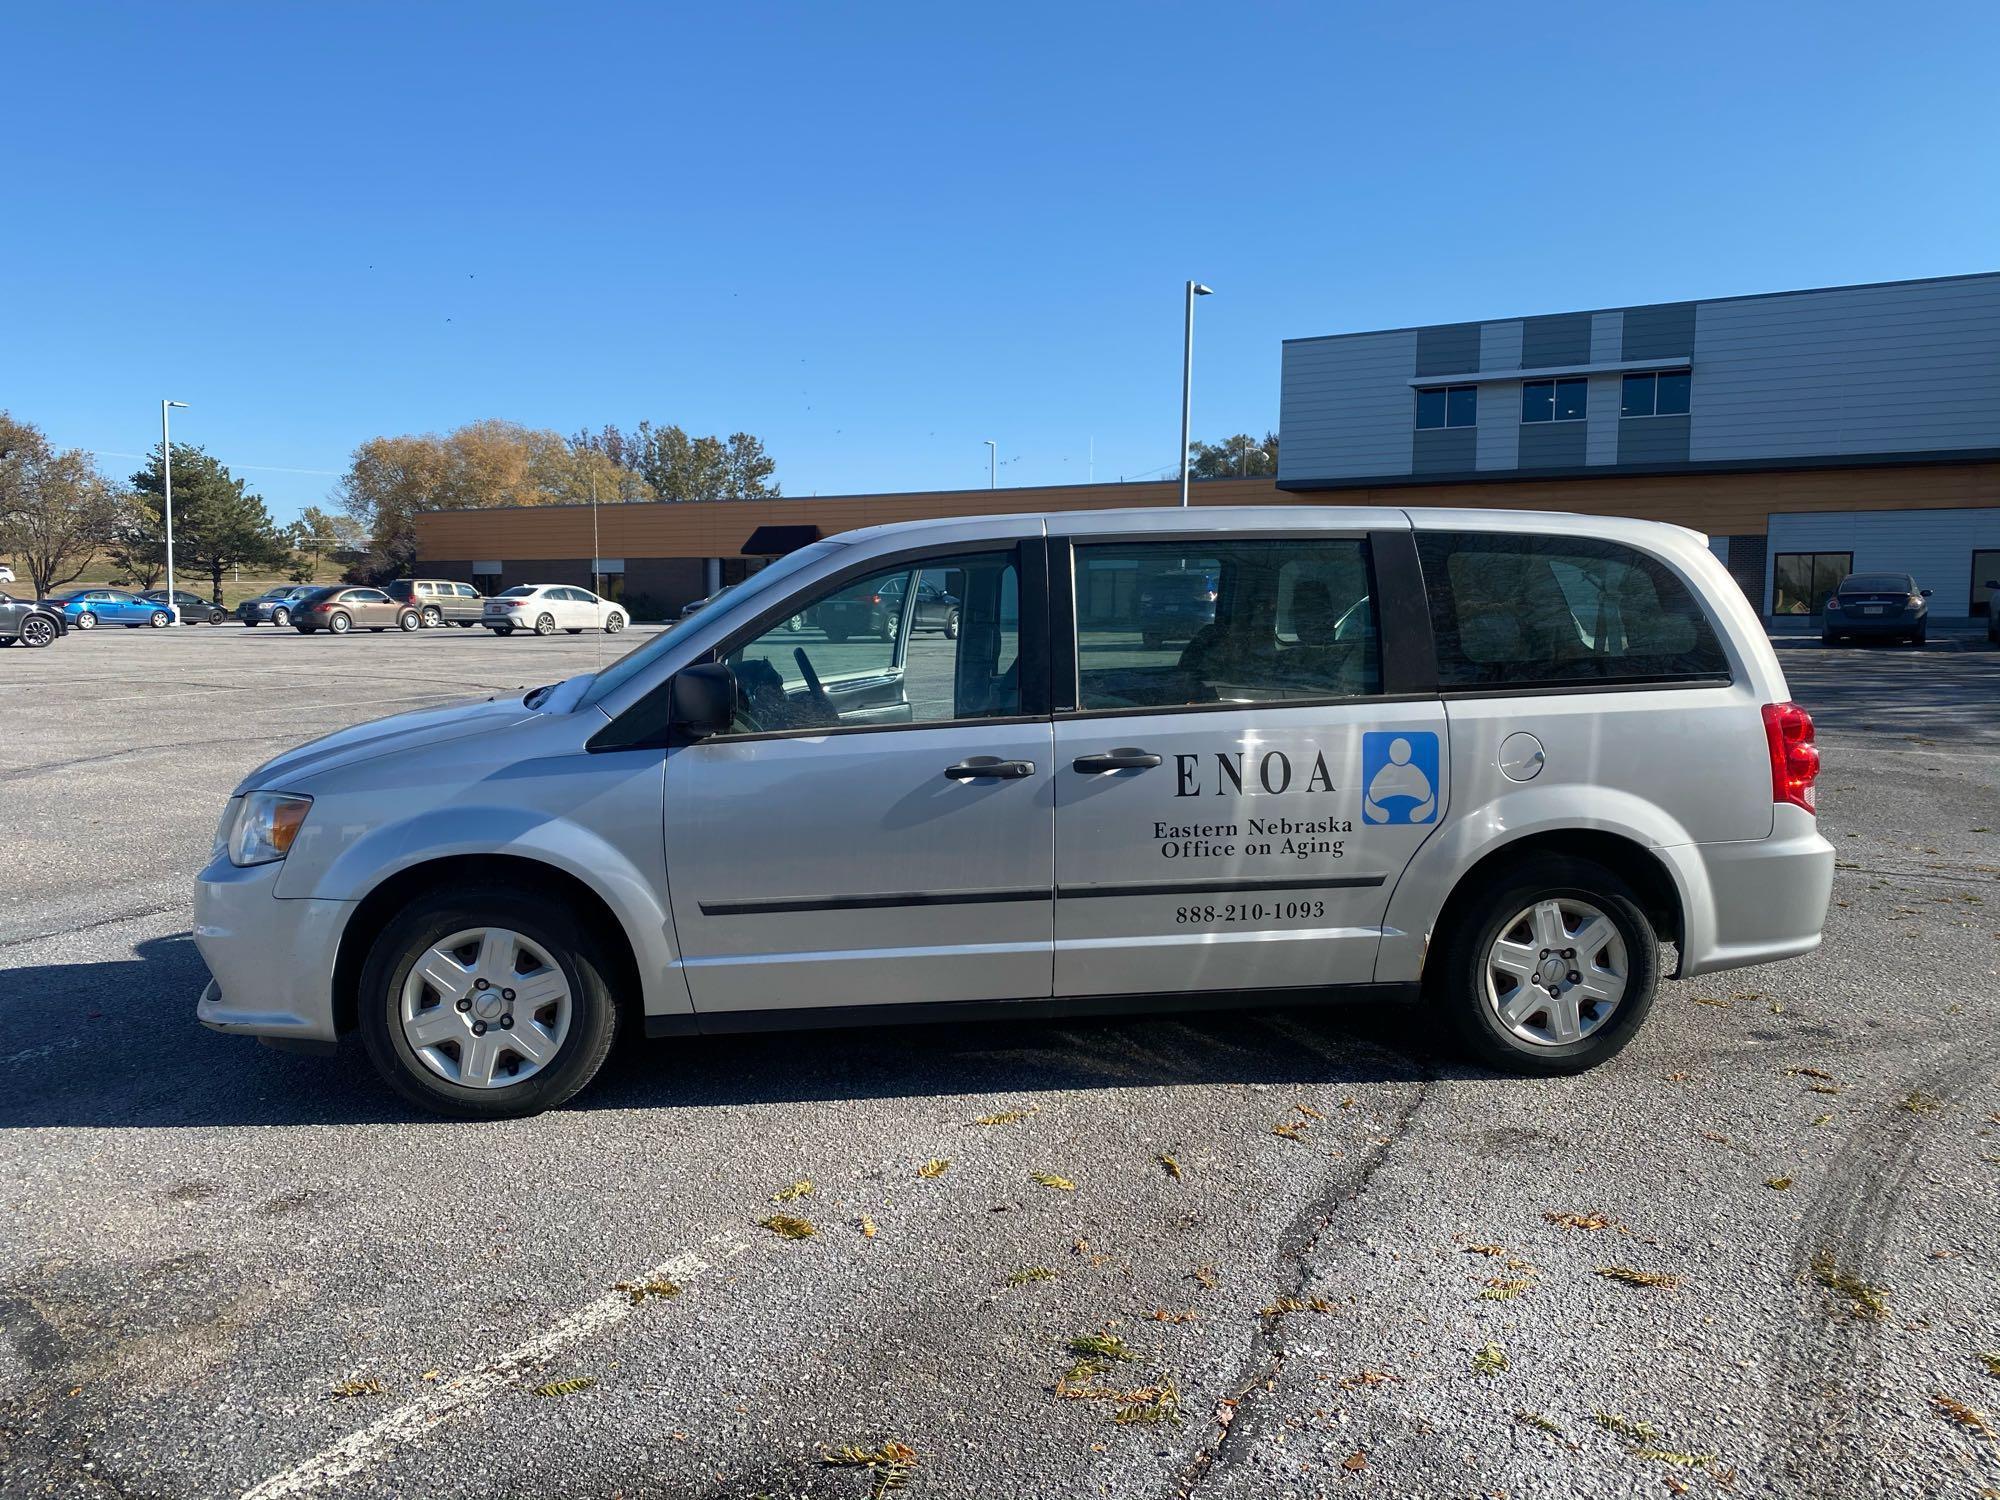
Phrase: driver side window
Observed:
(925, 642)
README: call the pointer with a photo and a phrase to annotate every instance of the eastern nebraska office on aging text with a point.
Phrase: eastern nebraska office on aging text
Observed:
(1808, 433)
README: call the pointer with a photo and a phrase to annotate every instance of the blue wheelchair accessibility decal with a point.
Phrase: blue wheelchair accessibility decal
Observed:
(1399, 777)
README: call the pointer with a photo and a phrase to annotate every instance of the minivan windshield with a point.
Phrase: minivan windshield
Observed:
(741, 595)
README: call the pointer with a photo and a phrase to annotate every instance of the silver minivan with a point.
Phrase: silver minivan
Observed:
(1508, 767)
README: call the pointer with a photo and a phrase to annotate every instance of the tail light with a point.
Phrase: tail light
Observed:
(1794, 757)
(1833, 601)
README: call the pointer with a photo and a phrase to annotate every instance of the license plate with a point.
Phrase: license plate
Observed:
(1871, 609)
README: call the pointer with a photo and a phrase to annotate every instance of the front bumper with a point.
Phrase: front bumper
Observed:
(1767, 898)
(272, 960)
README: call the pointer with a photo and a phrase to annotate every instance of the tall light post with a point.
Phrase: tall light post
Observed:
(992, 463)
(1194, 289)
(167, 490)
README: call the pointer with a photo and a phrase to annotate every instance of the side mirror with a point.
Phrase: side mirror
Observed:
(1923, 593)
(1993, 583)
(703, 701)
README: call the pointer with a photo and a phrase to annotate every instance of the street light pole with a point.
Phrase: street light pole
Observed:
(1194, 289)
(992, 464)
(167, 489)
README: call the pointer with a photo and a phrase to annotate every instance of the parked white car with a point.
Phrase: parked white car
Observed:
(6, 574)
(546, 608)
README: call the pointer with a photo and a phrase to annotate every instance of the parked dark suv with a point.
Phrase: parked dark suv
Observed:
(1878, 605)
(29, 623)
(877, 611)
(438, 601)
(1173, 606)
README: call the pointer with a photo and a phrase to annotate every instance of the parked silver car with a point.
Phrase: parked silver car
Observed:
(1488, 764)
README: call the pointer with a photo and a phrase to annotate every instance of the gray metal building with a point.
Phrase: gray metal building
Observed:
(1808, 433)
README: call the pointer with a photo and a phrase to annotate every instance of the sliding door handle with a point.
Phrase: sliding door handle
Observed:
(1125, 758)
(979, 766)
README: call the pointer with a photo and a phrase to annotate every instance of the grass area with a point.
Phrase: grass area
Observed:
(234, 589)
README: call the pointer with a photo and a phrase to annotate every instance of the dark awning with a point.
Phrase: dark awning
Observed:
(776, 541)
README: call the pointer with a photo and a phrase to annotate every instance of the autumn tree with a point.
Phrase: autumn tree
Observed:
(678, 467)
(56, 509)
(136, 545)
(1234, 457)
(314, 536)
(391, 479)
(218, 525)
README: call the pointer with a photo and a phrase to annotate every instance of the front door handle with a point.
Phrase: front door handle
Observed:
(978, 766)
(1125, 758)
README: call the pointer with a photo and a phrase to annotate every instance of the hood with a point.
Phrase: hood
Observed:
(346, 747)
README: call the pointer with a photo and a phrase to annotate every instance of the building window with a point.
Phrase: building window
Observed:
(1985, 581)
(1800, 581)
(1555, 400)
(1448, 406)
(1661, 394)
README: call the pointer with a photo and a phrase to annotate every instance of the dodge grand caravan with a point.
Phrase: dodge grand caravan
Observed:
(1491, 764)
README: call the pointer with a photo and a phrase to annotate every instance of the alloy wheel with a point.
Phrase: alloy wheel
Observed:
(485, 1008)
(1556, 972)
(37, 631)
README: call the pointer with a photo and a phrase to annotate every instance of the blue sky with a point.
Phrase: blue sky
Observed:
(877, 235)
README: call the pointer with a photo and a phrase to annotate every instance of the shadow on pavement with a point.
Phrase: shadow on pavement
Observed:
(115, 1044)
(1884, 689)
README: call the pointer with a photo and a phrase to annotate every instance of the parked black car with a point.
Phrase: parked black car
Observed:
(438, 601)
(876, 611)
(1173, 606)
(192, 608)
(1881, 605)
(29, 623)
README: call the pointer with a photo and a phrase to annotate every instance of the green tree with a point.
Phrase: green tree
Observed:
(56, 509)
(678, 467)
(1234, 457)
(315, 535)
(218, 525)
(137, 544)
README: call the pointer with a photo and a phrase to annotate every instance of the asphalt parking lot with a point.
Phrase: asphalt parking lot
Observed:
(229, 1271)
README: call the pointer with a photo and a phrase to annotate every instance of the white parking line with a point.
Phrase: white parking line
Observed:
(372, 1443)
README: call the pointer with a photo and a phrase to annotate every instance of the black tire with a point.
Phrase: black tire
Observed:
(409, 620)
(1920, 637)
(545, 624)
(305, 629)
(838, 637)
(594, 1012)
(1829, 638)
(578, 630)
(951, 625)
(251, 624)
(467, 624)
(340, 622)
(432, 617)
(279, 616)
(86, 621)
(503, 629)
(37, 631)
(1459, 980)
(1151, 640)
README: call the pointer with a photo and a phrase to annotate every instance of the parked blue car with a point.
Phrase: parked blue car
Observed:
(86, 609)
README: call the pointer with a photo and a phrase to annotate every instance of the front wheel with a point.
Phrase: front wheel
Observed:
(1550, 968)
(486, 1003)
(279, 617)
(951, 626)
(37, 630)
(408, 620)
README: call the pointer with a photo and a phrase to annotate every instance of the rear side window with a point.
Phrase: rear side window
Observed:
(1169, 624)
(1552, 611)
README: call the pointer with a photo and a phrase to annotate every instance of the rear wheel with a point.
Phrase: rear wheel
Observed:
(1151, 641)
(545, 624)
(486, 1003)
(615, 622)
(1550, 968)
(159, 619)
(951, 625)
(573, 630)
(1919, 638)
(503, 629)
(86, 621)
(305, 629)
(340, 623)
(433, 616)
(838, 637)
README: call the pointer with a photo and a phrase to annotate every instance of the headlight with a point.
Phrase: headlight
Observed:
(266, 827)
(229, 811)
